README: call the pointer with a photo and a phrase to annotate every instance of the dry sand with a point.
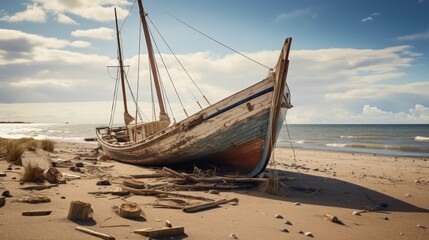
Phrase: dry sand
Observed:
(344, 182)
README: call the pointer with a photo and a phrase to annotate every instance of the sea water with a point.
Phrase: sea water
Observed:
(395, 140)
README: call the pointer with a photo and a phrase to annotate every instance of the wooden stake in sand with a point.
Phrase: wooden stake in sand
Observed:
(79, 211)
(94, 233)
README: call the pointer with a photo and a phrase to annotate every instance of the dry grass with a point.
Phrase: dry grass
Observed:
(13, 151)
(32, 174)
(273, 186)
(47, 145)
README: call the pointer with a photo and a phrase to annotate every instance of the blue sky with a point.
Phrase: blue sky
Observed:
(351, 61)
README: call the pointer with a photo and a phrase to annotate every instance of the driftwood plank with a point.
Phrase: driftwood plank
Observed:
(37, 213)
(38, 187)
(185, 176)
(205, 206)
(161, 232)
(155, 192)
(94, 233)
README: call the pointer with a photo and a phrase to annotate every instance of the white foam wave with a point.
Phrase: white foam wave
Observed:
(420, 138)
(336, 145)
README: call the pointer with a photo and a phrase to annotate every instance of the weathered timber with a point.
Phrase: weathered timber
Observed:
(185, 176)
(205, 206)
(94, 233)
(37, 213)
(134, 184)
(208, 186)
(146, 192)
(152, 175)
(161, 232)
(129, 210)
(79, 211)
(38, 187)
(115, 193)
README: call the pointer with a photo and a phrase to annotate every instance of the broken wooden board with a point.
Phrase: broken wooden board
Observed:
(37, 213)
(161, 232)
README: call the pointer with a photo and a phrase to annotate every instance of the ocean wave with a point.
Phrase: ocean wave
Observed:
(381, 147)
(363, 137)
(299, 141)
(420, 138)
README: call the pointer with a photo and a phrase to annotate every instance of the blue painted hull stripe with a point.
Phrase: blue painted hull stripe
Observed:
(239, 103)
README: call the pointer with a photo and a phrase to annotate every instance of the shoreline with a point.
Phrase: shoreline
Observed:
(334, 183)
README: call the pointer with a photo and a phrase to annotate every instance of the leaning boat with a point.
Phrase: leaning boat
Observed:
(236, 134)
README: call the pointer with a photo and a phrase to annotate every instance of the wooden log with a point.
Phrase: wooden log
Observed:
(38, 187)
(205, 206)
(37, 213)
(185, 176)
(332, 218)
(115, 193)
(134, 184)
(161, 232)
(129, 210)
(79, 211)
(94, 233)
(146, 192)
(152, 175)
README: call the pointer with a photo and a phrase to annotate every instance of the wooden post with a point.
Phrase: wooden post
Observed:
(79, 211)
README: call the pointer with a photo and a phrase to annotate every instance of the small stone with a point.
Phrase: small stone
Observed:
(288, 223)
(402, 234)
(79, 164)
(10, 167)
(63, 197)
(233, 236)
(13, 178)
(309, 234)
(297, 204)
(407, 195)
(278, 216)
(213, 191)
(2, 174)
(417, 181)
(2, 201)
(357, 212)
(300, 232)
(421, 226)
(386, 218)
(285, 230)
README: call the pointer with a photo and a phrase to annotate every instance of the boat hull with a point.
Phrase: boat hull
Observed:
(235, 135)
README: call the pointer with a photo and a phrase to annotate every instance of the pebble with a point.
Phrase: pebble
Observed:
(385, 218)
(401, 233)
(62, 197)
(309, 234)
(288, 223)
(285, 230)
(2, 174)
(278, 216)
(300, 232)
(407, 195)
(297, 204)
(104, 182)
(213, 191)
(357, 213)
(417, 181)
(420, 226)
(233, 236)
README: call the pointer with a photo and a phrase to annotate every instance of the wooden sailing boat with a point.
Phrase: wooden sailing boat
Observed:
(236, 134)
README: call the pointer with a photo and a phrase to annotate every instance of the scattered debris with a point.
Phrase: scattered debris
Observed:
(104, 182)
(386, 218)
(37, 213)
(309, 234)
(288, 222)
(233, 236)
(204, 206)
(161, 232)
(297, 204)
(278, 216)
(129, 210)
(38, 187)
(79, 211)
(94, 233)
(213, 191)
(52, 175)
(168, 223)
(408, 195)
(421, 226)
(285, 230)
(358, 212)
(34, 199)
(2, 174)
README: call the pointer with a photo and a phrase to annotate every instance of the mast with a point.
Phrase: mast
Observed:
(127, 116)
(152, 60)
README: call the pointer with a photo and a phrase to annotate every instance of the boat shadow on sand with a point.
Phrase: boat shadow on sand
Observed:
(325, 191)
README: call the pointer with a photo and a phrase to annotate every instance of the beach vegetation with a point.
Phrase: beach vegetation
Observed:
(47, 145)
(13, 151)
(32, 174)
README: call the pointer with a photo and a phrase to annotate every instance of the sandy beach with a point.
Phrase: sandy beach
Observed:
(391, 194)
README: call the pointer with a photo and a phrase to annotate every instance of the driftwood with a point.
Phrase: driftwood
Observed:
(185, 176)
(205, 206)
(38, 187)
(161, 232)
(146, 192)
(200, 186)
(79, 211)
(34, 199)
(152, 175)
(94, 233)
(37, 213)
(134, 184)
(129, 210)
(115, 193)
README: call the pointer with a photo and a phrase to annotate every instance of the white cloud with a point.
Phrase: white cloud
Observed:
(80, 44)
(61, 18)
(298, 13)
(33, 13)
(417, 36)
(367, 19)
(98, 10)
(97, 33)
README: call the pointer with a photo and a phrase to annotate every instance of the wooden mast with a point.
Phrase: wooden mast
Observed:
(127, 116)
(163, 114)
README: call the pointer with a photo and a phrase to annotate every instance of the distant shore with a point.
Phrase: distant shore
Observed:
(12, 122)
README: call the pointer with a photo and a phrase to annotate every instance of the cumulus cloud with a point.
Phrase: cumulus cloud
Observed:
(337, 85)
(97, 33)
(417, 36)
(62, 18)
(32, 13)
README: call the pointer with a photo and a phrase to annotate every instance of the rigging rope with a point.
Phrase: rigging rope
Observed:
(168, 73)
(115, 94)
(209, 37)
(129, 12)
(177, 59)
